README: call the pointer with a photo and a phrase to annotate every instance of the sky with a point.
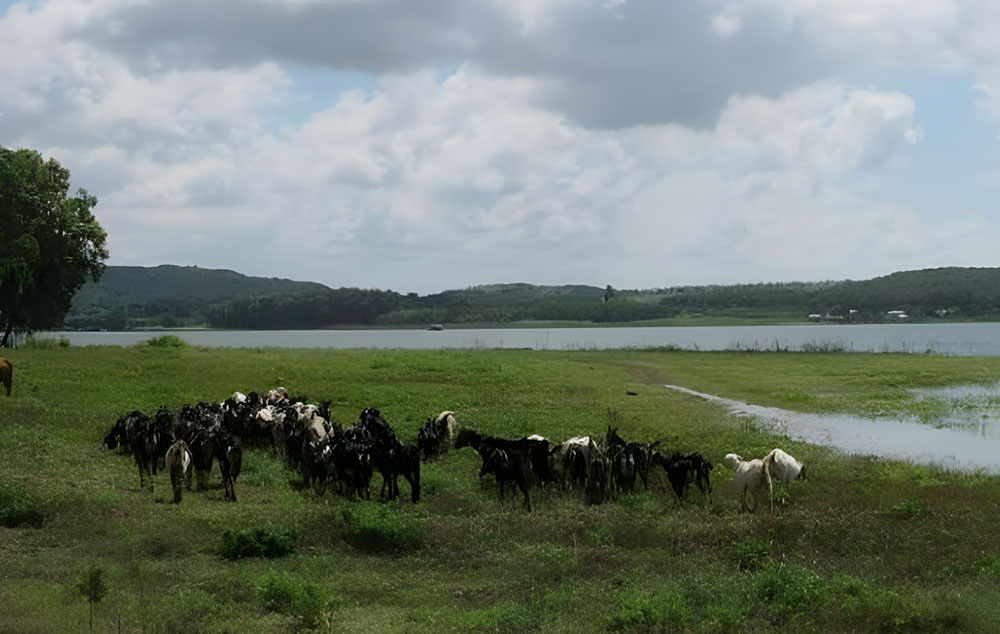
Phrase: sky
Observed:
(423, 146)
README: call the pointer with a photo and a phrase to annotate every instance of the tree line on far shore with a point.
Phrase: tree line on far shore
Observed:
(932, 294)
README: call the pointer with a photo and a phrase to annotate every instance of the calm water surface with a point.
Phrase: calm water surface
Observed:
(980, 339)
(965, 439)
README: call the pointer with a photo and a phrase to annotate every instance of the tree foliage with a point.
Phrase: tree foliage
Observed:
(50, 242)
(156, 297)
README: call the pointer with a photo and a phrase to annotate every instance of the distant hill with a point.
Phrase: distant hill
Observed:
(178, 293)
(171, 296)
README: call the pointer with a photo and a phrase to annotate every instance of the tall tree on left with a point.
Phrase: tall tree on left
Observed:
(50, 242)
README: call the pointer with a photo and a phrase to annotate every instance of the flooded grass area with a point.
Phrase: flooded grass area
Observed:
(956, 427)
(975, 408)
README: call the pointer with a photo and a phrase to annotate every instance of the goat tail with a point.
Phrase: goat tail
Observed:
(768, 461)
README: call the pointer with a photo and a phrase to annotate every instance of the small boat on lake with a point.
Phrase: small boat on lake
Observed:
(435, 327)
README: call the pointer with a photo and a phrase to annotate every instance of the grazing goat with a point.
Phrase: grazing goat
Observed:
(229, 453)
(143, 441)
(628, 460)
(783, 468)
(389, 456)
(178, 460)
(751, 479)
(6, 373)
(584, 464)
(509, 465)
(435, 438)
(682, 470)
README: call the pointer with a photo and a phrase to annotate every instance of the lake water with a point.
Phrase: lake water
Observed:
(973, 339)
(967, 438)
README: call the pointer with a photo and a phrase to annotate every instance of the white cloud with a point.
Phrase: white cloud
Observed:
(638, 143)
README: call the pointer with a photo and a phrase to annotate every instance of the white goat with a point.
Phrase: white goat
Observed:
(784, 468)
(310, 419)
(277, 395)
(751, 478)
(178, 460)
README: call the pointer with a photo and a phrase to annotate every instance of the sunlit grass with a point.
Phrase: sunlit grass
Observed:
(864, 545)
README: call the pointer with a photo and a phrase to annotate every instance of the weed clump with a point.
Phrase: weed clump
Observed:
(751, 554)
(167, 341)
(371, 527)
(258, 542)
(280, 592)
(20, 509)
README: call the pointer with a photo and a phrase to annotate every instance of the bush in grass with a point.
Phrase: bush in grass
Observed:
(709, 603)
(20, 509)
(869, 605)
(188, 608)
(907, 509)
(751, 554)
(989, 568)
(508, 616)
(166, 341)
(280, 592)
(790, 589)
(257, 542)
(378, 527)
(664, 610)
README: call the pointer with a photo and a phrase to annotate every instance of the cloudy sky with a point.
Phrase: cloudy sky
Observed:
(431, 145)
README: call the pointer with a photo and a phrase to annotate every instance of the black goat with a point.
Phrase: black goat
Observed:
(134, 431)
(229, 453)
(389, 456)
(628, 460)
(509, 465)
(435, 438)
(682, 470)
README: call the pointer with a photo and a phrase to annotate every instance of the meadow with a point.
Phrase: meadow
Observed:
(864, 545)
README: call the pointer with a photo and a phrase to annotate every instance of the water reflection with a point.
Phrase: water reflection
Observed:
(954, 446)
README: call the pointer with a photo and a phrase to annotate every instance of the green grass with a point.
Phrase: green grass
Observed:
(865, 545)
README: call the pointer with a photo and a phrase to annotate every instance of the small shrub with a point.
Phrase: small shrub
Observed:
(869, 605)
(187, 606)
(751, 554)
(258, 542)
(665, 610)
(601, 536)
(508, 616)
(907, 509)
(167, 341)
(92, 584)
(989, 568)
(377, 527)
(790, 589)
(20, 509)
(280, 592)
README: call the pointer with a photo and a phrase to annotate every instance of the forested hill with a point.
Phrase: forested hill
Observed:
(171, 296)
(176, 295)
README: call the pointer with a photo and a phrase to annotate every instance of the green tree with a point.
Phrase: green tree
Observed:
(92, 584)
(50, 242)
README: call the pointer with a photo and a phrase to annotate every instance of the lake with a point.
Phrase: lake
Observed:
(963, 339)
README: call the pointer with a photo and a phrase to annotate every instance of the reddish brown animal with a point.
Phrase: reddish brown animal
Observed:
(6, 373)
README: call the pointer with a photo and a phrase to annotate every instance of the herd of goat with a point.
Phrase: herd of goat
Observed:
(324, 453)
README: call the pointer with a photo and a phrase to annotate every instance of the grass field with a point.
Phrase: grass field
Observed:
(864, 545)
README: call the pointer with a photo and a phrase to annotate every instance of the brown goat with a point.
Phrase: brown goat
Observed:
(6, 373)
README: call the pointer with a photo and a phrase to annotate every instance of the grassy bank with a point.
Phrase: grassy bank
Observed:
(864, 545)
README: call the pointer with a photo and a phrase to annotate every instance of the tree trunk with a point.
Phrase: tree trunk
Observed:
(11, 318)
(6, 334)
